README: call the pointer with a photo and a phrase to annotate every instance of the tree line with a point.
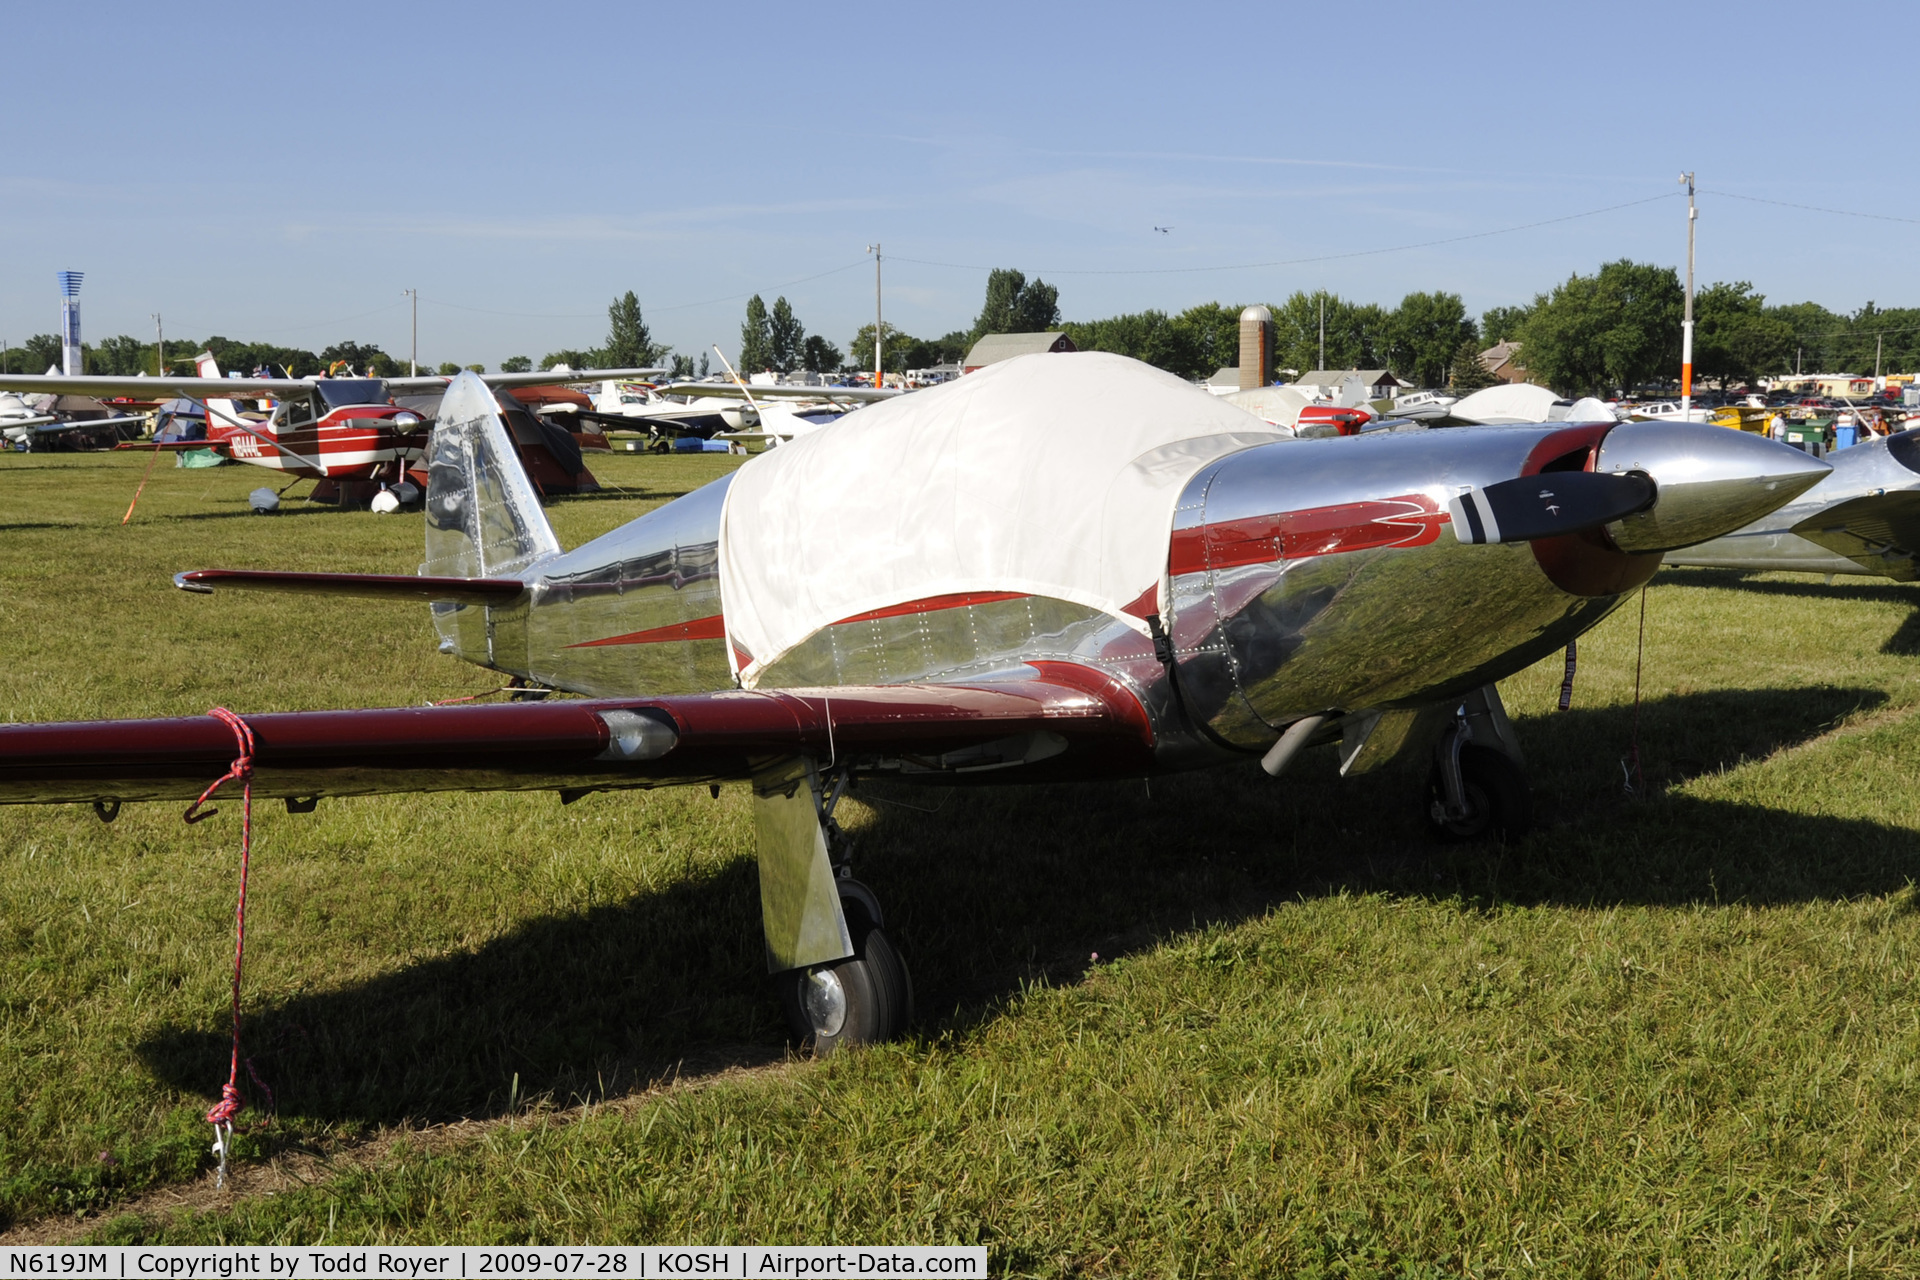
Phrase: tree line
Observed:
(1616, 329)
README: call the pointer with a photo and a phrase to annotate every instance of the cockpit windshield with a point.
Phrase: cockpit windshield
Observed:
(337, 393)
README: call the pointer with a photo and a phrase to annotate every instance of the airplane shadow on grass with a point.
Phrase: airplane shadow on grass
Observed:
(995, 888)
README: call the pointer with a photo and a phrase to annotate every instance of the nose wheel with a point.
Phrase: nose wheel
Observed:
(864, 999)
(1487, 798)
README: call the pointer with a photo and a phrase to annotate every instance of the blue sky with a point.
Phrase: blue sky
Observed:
(282, 174)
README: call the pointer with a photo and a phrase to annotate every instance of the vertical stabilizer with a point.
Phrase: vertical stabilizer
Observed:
(483, 517)
(220, 412)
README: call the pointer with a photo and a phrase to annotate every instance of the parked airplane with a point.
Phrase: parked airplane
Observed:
(1863, 518)
(30, 426)
(770, 414)
(342, 431)
(1059, 567)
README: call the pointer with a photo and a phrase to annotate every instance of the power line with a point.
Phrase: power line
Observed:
(1294, 262)
(1813, 208)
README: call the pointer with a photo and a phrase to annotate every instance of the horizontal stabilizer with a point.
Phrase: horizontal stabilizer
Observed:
(1547, 505)
(366, 586)
(1069, 718)
(1878, 531)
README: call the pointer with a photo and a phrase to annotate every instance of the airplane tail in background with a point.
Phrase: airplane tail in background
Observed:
(221, 412)
(483, 515)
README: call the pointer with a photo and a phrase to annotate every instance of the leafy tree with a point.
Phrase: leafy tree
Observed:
(901, 351)
(756, 342)
(1498, 324)
(703, 364)
(244, 357)
(1425, 333)
(682, 368)
(1618, 328)
(448, 370)
(476, 368)
(1211, 339)
(1357, 335)
(1734, 339)
(517, 364)
(1015, 305)
(1467, 374)
(361, 358)
(786, 339)
(819, 356)
(41, 352)
(121, 356)
(1145, 335)
(570, 358)
(630, 343)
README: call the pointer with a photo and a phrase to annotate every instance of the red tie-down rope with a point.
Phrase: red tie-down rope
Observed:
(241, 770)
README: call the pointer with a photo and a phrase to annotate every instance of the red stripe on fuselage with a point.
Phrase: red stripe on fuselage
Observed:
(933, 604)
(1412, 520)
(699, 629)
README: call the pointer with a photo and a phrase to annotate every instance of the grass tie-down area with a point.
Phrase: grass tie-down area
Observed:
(1672, 1034)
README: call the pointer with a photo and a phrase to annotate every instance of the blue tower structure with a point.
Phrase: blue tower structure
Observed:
(70, 362)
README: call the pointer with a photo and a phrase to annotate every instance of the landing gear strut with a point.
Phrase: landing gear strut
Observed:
(1477, 790)
(839, 978)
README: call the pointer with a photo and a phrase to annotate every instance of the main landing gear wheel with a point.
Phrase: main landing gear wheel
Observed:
(864, 999)
(1498, 803)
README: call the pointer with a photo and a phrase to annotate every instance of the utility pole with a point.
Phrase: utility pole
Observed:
(1686, 326)
(878, 330)
(413, 349)
(1878, 338)
(1323, 329)
(159, 347)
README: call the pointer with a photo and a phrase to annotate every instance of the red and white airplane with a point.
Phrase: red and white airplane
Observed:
(347, 432)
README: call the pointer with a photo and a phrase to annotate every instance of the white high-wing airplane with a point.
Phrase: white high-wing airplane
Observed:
(773, 414)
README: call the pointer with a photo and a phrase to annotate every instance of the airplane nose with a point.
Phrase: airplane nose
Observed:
(1709, 480)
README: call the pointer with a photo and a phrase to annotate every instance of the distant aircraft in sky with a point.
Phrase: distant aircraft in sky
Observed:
(1164, 230)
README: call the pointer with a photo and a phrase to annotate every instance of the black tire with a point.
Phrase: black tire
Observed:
(1499, 800)
(865, 999)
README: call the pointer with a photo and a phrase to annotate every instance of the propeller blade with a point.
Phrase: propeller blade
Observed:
(1547, 505)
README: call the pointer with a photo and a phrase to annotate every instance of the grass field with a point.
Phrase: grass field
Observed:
(1670, 1034)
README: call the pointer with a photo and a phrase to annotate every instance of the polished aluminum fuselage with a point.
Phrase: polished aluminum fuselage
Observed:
(1303, 577)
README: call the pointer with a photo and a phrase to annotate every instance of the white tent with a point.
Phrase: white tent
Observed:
(1051, 475)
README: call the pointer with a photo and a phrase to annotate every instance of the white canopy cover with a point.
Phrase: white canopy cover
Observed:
(1052, 474)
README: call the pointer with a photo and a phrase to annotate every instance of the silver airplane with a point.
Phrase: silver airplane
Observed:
(1061, 567)
(1863, 518)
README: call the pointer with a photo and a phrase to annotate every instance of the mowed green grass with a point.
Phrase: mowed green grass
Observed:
(1666, 1034)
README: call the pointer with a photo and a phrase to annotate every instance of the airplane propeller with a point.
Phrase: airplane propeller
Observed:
(1548, 505)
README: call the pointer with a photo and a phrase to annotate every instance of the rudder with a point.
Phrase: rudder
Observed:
(483, 516)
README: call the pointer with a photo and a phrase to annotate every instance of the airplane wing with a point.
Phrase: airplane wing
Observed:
(51, 426)
(862, 395)
(1879, 531)
(537, 378)
(106, 387)
(1063, 713)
